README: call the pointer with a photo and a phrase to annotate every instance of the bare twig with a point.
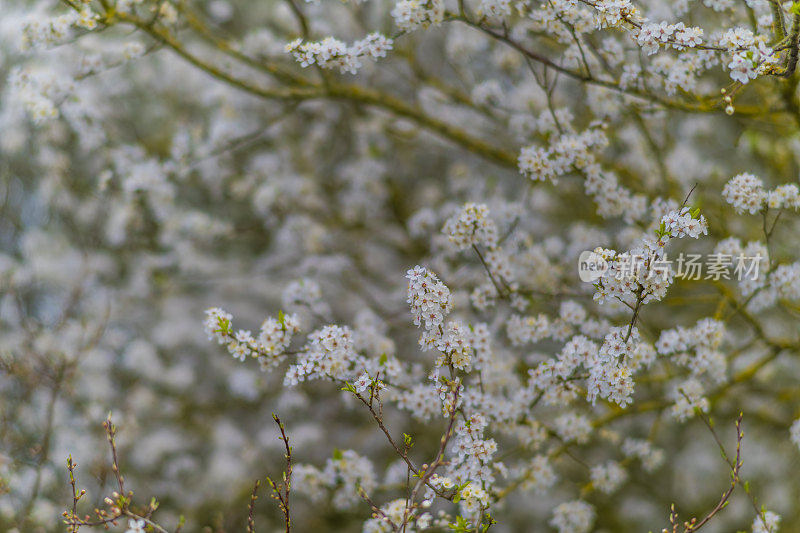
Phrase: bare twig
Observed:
(282, 489)
(251, 509)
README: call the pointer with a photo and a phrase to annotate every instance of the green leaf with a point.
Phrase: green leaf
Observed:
(337, 454)
(461, 525)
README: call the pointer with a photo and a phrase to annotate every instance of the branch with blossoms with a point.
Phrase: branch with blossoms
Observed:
(329, 354)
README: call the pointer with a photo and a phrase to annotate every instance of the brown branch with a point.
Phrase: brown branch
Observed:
(119, 506)
(251, 509)
(735, 465)
(282, 489)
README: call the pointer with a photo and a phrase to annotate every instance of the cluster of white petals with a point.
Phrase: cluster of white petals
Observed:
(331, 53)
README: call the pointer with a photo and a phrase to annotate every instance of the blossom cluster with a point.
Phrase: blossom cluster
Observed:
(651, 35)
(471, 226)
(641, 275)
(273, 338)
(428, 297)
(563, 154)
(331, 53)
(412, 14)
(746, 193)
(750, 54)
(42, 32)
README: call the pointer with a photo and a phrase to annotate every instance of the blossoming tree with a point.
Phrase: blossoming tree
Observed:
(525, 266)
